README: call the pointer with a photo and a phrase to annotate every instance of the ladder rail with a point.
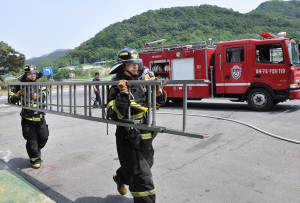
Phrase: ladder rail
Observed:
(86, 113)
(182, 46)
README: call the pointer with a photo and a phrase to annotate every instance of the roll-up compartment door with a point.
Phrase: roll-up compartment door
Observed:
(183, 69)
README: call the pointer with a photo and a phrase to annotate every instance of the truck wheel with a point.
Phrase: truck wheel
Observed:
(259, 99)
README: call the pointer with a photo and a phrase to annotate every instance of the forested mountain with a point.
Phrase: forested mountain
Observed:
(187, 24)
(37, 61)
(283, 9)
(56, 53)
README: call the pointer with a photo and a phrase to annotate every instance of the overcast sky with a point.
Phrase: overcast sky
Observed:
(35, 27)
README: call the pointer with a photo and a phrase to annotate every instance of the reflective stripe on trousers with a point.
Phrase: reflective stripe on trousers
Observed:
(143, 194)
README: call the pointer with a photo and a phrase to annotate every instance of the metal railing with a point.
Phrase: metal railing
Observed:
(77, 108)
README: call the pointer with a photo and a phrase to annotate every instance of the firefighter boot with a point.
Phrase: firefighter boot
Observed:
(120, 186)
(36, 163)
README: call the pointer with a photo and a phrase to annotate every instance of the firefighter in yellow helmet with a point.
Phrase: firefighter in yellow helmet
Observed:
(34, 127)
(134, 146)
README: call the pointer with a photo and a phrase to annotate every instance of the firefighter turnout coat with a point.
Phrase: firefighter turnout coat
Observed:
(34, 127)
(136, 159)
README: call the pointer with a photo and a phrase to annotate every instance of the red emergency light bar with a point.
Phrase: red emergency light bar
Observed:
(268, 35)
(147, 46)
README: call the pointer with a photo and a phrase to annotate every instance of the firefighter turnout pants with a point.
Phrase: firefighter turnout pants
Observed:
(36, 133)
(136, 162)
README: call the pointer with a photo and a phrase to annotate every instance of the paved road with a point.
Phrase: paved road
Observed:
(235, 164)
(3, 100)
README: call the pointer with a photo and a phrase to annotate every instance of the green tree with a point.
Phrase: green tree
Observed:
(62, 74)
(110, 63)
(45, 64)
(17, 72)
(10, 59)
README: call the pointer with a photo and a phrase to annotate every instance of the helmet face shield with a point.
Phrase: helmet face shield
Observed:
(134, 66)
(128, 61)
(32, 71)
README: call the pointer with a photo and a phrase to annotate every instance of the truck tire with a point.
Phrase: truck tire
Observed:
(259, 99)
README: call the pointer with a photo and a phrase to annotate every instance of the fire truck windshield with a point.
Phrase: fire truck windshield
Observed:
(293, 53)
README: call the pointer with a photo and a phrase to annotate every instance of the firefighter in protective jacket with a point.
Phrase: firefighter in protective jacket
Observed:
(35, 130)
(134, 146)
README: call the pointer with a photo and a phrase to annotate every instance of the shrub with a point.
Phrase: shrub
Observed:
(3, 87)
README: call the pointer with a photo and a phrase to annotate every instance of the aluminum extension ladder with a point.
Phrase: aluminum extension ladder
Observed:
(71, 109)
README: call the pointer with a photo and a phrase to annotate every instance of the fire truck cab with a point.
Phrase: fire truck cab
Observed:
(260, 72)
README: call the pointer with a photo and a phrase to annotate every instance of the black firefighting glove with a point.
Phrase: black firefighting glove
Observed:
(20, 93)
(123, 86)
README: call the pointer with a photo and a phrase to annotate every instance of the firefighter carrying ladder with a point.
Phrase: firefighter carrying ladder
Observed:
(84, 111)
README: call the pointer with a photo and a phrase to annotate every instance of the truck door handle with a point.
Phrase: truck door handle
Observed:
(220, 63)
(227, 76)
(257, 76)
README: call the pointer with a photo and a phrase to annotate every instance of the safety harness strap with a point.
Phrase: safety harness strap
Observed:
(138, 106)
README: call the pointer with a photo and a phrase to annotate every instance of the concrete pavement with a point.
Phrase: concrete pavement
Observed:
(235, 164)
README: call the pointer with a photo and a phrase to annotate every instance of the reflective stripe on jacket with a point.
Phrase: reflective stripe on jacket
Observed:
(30, 115)
(137, 110)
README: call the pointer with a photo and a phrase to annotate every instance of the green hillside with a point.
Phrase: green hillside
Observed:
(186, 24)
(282, 9)
(48, 57)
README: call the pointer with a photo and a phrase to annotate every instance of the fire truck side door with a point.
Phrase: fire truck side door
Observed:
(235, 73)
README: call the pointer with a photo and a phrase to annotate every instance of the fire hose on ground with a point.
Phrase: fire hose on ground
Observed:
(235, 121)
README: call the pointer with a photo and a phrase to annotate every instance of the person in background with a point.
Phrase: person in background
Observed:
(34, 127)
(97, 102)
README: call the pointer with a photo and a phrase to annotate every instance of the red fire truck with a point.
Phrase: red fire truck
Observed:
(261, 72)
